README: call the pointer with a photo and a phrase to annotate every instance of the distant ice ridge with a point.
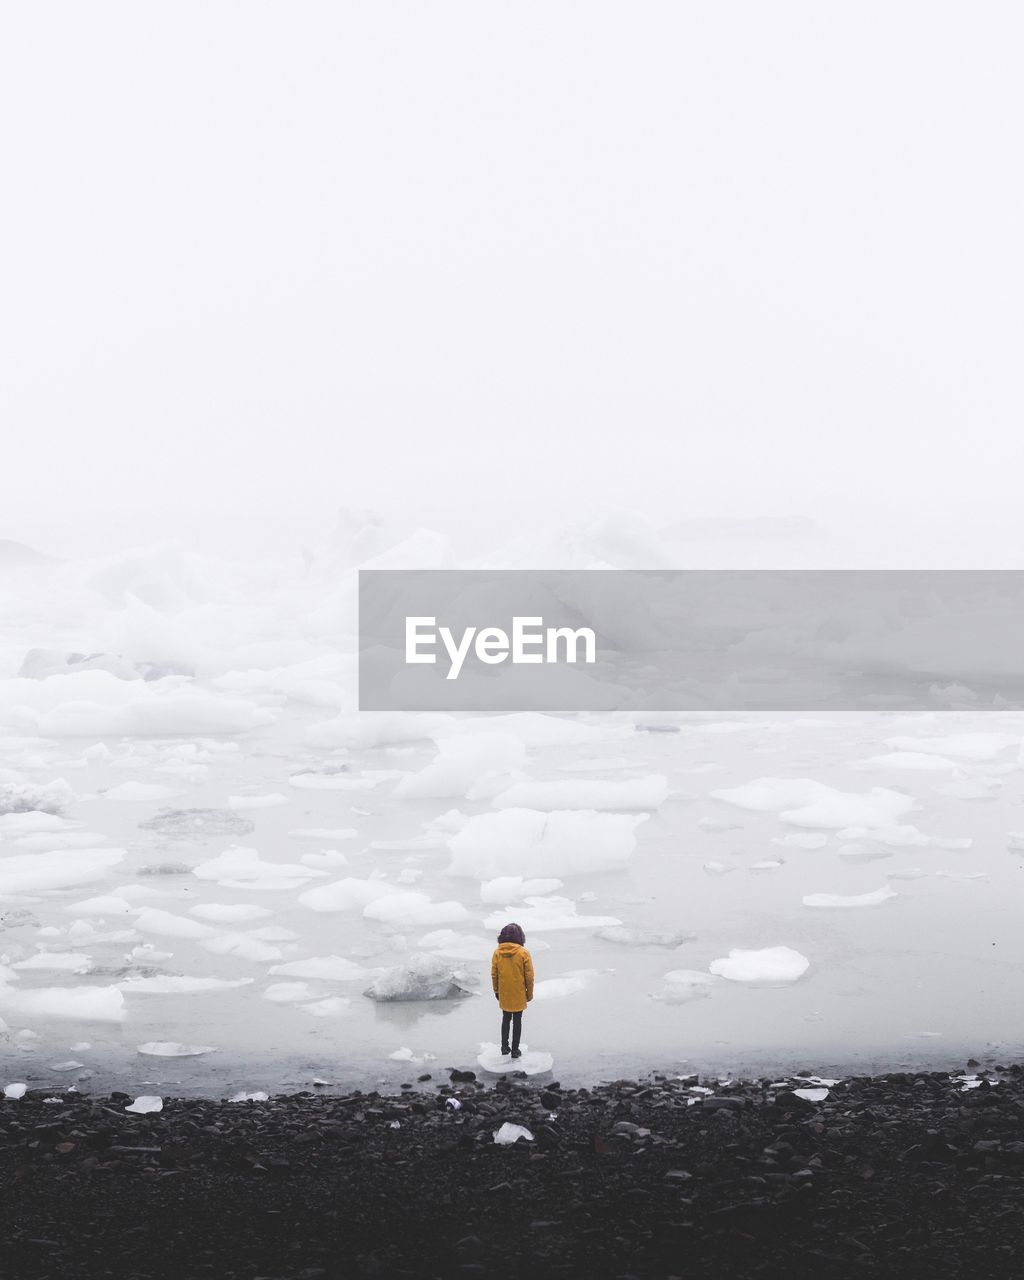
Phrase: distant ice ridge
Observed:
(529, 842)
(803, 802)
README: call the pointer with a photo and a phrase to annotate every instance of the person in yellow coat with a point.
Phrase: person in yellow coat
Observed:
(512, 979)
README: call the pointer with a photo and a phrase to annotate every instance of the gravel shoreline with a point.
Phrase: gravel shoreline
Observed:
(904, 1174)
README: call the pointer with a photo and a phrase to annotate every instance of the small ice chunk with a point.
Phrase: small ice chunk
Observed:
(172, 1049)
(406, 1055)
(326, 968)
(79, 1004)
(769, 965)
(514, 888)
(240, 865)
(543, 914)
(717, 869)
(290, 992)
(423, 977)
(168, 984)
(872, 899)
(329, 860)
(184, 824)
(330, 1007)
(166, 924)
(715, 825)
(229, 913)
(258, 1096)
(530, 842)
(139, 792)
(475, 764)
(802, 802)
(145, 1104)
(349, 894)
(509, 1133)
(533, 1062)
(17, 1090)
(411, 910)
(631, 937)
(917, 760)
(802, 839)
(683, 985)
(108, 904)
(566, 984)
(65, 961)
(627, 796)
(241, 803)
(966, 746)
(324, 833)
(812, 1095)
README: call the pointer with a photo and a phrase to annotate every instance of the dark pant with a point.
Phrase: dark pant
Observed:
(516, 1019)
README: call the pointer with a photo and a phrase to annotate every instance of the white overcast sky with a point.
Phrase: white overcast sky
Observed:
(688, 257)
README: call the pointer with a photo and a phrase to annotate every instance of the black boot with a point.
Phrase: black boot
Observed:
(516, 1053)
(506, 1050)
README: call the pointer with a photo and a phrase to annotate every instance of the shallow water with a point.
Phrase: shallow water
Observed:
(929, 976)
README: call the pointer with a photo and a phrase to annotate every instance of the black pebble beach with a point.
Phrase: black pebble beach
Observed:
(901, 1175)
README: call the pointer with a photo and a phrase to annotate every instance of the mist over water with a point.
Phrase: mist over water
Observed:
(204, 844)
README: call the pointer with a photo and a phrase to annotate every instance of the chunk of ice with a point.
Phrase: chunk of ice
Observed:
(422, 977)
(509, 1133)
(529, 842)
(145, 1104)
(769, 965)
(872, 899)
(172, 1049)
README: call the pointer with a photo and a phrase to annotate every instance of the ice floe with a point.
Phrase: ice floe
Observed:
(332, 968)
(873, 899)
(350, 894)
(628, 936)
(628, 795)
(80, 1003)
(238, 865)
(530, 842)
(681, 986)
(534, 1062)
(769, 965)
(803, 802)
(543, 914)
(513, 888)
(172, 1049)
(64, 869)
(422, 977)
(468, 767)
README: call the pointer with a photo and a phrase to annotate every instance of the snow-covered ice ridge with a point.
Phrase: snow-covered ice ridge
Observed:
(203, 845)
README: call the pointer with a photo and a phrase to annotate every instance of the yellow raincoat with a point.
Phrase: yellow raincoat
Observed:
(512, 976)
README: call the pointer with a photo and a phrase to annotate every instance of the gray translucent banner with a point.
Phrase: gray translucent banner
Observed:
(690, 640)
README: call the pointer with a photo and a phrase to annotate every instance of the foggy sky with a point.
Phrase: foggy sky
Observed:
(688, 257)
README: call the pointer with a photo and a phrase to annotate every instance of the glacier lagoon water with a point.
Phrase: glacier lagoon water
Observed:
(929, 975)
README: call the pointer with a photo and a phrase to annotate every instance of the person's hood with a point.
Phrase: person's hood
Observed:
(508, 948)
